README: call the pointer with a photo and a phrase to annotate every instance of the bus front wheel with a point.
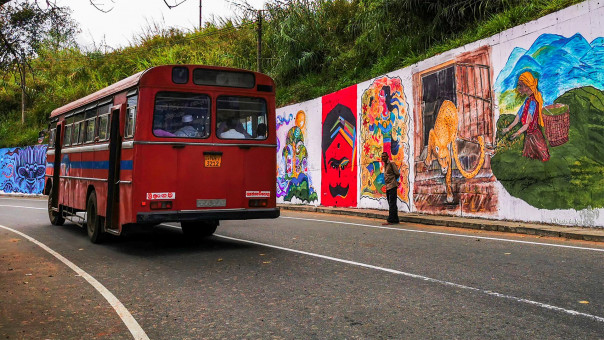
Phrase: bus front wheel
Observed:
(199, 229)
(55, 216)
(94, 224)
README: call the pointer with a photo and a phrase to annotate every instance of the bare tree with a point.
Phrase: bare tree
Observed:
(25, 26)
(106, 6)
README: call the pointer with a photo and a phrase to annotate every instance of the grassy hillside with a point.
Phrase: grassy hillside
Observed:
(309, 47)
(574, 174)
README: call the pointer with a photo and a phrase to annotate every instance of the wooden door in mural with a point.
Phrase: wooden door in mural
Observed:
(454, 136)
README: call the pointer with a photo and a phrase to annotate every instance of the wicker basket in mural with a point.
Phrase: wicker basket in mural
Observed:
(556, 121)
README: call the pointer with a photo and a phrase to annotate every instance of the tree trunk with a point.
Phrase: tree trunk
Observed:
(23, 97)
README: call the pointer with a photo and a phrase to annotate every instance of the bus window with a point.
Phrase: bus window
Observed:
(103, 125)
(131, 117)
(51, 138)
(75, 134)
(181, 115)
(241, 117)
(90, 126)
(67, 138)
(82, 132)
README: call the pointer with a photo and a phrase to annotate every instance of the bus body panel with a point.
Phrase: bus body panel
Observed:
(151, 166)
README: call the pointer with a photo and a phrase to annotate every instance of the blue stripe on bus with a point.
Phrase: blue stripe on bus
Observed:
(95, 165)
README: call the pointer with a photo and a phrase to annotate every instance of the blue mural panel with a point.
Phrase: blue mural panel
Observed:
(22, 169)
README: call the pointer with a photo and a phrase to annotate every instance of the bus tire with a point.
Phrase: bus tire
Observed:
(56, 217)
(94, 224)
(199, 230)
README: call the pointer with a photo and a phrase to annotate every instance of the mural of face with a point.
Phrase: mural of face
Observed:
(339, 175)
(23, 169)
(339, 168)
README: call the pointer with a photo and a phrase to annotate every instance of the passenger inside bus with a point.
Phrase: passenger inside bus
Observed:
(232, 129)
(261, 131)
(186, 130)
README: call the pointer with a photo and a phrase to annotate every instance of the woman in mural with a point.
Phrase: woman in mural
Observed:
(530, 117)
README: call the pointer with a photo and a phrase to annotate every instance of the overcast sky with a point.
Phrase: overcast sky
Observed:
(129, 18)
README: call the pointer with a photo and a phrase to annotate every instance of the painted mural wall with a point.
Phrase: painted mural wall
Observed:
(22, 169)
(509, 127)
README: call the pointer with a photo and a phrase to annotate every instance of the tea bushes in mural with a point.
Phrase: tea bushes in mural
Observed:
(568, 75)
(22, 169)
(384, 128)
(292, 160)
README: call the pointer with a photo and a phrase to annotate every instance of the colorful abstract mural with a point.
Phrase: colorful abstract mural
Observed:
(509, 127)
(293, 180)
(384, 128)
(22, 169)
(339, 148)
(549, 140)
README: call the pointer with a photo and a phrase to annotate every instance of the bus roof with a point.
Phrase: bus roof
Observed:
(133, 81)
(117, 87)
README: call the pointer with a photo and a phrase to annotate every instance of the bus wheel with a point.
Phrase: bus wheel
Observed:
(199, 229)
(56, 217)
(94, 224)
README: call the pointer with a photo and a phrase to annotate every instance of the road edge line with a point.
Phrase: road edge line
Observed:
(135, 329)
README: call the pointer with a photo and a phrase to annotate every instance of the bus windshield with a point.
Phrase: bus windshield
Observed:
(181, 115)
(241, 118)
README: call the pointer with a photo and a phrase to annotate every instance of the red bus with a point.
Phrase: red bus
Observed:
(175, 143)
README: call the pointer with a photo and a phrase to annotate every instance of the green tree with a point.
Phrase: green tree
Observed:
(25, 27)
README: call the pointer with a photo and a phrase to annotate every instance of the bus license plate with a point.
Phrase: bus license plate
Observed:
(212, 161)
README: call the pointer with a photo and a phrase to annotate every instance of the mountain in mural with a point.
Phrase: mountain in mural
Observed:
(560, 64)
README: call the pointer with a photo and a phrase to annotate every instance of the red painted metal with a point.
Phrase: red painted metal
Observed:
(151, 164)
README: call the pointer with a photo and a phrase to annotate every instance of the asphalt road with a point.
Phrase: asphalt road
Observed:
(302, 276)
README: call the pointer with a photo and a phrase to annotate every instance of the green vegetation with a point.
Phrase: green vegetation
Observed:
(309, 47)
(574, 174)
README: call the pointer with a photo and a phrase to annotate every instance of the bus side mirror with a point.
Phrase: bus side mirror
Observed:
(41, 136)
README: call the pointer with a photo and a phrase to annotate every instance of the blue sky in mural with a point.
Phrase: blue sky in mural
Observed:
(560, 63)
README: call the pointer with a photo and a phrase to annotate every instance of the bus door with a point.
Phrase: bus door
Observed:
(56, 173)
(113, 178)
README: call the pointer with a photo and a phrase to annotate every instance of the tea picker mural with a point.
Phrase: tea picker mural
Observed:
(550, 149)
(384, 128)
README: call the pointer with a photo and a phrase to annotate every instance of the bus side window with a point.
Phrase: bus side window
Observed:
(82, 132)
(90, 126)
(103, 124)
(131, 117)
(51, 138)
(67, 137)
(75, 134)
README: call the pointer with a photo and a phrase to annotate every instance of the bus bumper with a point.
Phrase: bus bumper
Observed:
(204, 215)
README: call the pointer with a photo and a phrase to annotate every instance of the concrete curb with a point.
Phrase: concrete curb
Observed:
(575, 233)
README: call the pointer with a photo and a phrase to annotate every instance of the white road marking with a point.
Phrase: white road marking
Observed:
(424, 278)
(446, 234)
(135, 329)
(23, 207)
(23, 199)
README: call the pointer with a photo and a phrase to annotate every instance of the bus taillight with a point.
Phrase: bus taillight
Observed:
(258, 203)
(156, 205)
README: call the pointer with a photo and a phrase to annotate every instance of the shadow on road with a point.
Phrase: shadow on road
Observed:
(162, 241)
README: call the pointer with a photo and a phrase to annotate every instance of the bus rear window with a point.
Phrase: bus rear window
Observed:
(181, 115)
(241, 118)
